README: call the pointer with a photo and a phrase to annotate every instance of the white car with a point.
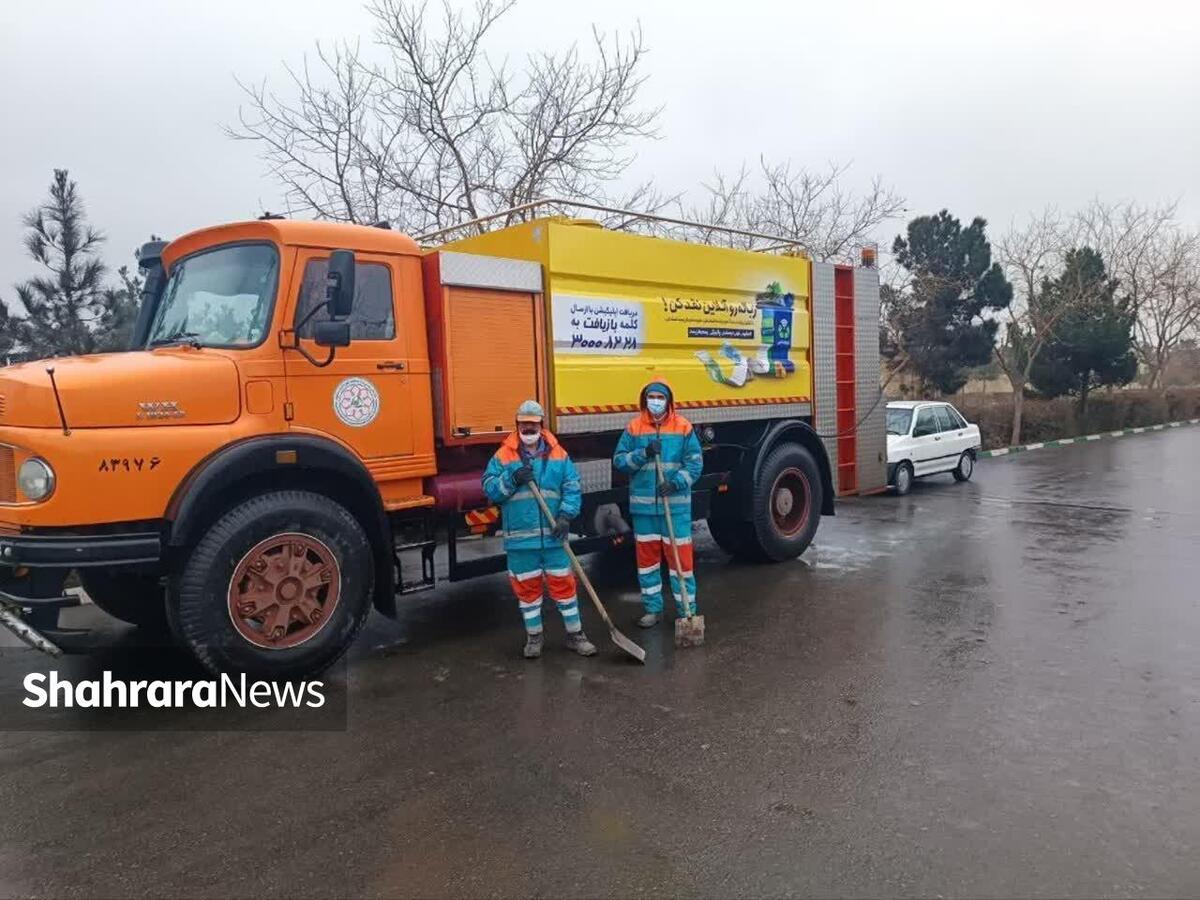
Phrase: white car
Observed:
(925, 438)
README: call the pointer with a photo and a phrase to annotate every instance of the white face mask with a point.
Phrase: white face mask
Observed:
(530, 440)
(656, 406)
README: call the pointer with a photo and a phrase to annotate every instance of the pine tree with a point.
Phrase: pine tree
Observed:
(64, 306)
(954, 281)
(1092, 344)
(114, 330)
(8, 329)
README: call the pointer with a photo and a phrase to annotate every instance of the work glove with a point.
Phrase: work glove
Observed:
(666, 488)
(523, 475)
(562, 527)
(652, 450)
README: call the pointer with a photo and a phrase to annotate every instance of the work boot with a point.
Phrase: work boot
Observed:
(649, 620)
(533, 645)
(578, 642)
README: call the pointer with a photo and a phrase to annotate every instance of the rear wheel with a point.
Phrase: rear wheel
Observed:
(965, 467)
(730, 535)
(786, 505)
(278, 587)
(134, 597)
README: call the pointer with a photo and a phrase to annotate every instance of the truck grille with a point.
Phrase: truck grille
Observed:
(8, 476)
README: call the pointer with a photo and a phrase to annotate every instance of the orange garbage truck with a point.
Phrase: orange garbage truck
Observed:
(299, 434)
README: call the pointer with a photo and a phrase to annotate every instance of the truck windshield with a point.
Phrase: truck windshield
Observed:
(898, 421)
(218, 298)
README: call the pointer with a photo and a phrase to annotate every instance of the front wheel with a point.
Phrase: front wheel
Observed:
(903, 479)
(965, 467)
(134, 597)
(278, 587)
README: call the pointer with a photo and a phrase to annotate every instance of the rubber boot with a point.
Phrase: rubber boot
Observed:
(649, 620)
(533, 645)
(578, 642)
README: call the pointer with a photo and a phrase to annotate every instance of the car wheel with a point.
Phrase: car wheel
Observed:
(965, 467)
(278, 587)
(904, 478)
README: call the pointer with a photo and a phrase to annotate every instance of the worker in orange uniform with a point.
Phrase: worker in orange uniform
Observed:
(659, 431)
(535, 549)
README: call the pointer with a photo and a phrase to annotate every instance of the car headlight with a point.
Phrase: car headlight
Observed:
(35, 478)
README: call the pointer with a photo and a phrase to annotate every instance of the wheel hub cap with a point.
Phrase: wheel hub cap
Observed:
(284, 591)
(789, 501)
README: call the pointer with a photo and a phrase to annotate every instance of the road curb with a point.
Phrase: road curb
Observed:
(1062, 442)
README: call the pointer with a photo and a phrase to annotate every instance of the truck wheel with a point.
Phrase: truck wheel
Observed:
(730, 535)
(134, 597)
(786, 506)
(278, 587)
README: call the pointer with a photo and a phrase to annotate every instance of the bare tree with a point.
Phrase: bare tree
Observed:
(1029, 254)
(1144, 249)
(1170, 311)
(812, 209)
(435, 134)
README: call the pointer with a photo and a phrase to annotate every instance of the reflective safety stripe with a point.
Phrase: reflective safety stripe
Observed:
(648, 570)
(653, 589)
(523, 533)
(558, 573)
(525, 576)
(533, 613)
(649, 537)
(526, 494)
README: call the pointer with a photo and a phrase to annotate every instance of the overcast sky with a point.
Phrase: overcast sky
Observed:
(987, 108)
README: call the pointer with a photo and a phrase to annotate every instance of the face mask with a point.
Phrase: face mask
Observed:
(530, 440)
(657, 407)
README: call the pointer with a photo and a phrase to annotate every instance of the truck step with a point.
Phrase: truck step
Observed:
(427, 579)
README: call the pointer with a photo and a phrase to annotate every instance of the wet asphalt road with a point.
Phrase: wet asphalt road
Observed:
(983, 689)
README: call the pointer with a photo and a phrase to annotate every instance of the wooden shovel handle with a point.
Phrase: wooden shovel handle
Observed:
(575, 564)
(687, 602)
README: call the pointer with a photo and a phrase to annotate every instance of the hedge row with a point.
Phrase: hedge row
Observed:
(1048, 420)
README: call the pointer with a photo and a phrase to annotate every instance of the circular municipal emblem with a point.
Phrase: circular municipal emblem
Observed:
(356, 402)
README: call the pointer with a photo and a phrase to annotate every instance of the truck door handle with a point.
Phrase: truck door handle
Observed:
(397, 366)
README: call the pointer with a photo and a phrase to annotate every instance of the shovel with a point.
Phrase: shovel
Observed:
(617, 638)
(689, 631)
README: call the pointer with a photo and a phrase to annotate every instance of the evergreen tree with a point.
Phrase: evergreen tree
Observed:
(114, 331)
(1092, 344)
(64, 306)
(954, 282)
(8, 332)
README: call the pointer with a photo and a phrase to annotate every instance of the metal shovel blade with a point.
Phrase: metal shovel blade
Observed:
(627, 645)
(689, 631)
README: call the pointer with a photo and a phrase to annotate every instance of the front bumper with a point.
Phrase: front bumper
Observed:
(69, 551)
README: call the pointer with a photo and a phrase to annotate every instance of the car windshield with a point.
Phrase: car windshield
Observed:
(898, 421)
(218, 298)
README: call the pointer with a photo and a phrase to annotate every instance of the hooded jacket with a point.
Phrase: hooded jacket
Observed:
(525, 528)
(681, 454)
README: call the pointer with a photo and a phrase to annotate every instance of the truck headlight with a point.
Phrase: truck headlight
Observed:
(36, 479)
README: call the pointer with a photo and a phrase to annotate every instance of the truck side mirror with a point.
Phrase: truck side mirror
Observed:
(332, 334)
(339, 284)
